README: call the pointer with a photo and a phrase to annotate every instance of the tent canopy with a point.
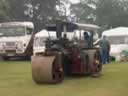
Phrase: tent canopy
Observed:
(119, 31)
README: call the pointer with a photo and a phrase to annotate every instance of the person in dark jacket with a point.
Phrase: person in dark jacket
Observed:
(105, 46)
(88, 38)
(108, 53)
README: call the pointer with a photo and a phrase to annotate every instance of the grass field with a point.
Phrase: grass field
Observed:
(15, 80)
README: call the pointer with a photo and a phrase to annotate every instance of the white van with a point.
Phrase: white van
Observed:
(16, 39)
(118, 38)
(39, 40)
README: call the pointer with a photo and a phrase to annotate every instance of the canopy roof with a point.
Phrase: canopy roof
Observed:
(88, 27)
(73, 26)
(119, 31)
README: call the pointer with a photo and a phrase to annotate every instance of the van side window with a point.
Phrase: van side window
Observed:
(29, 31)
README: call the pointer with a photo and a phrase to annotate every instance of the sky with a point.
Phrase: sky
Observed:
(74, 1)
(67, 6)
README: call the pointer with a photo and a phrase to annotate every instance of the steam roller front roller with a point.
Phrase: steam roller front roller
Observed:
(47, 69)
(95, 62)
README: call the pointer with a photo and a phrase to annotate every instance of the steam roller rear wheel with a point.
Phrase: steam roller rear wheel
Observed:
(47, 69)
(95, 62)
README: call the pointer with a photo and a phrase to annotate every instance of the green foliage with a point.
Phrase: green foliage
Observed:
(106, 13)
(112, 13)
(41, 12)
(38, 11)
(3, 10)
(83, 12)
(16, 9)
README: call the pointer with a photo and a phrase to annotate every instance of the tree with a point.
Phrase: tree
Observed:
(84, 11)
(44, 12)
(3, 10)
(106, 13)
(41, 12)
(109, 13)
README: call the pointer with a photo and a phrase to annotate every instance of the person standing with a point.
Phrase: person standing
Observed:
(88, 38)
(105, 46)
(108, 53)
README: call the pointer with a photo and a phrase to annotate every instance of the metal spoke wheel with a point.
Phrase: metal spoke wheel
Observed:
(57, 70)
(97, 64)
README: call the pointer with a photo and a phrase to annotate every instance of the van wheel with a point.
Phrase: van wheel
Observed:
(5, 58)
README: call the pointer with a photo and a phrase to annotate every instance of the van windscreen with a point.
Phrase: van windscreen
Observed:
(12, 31)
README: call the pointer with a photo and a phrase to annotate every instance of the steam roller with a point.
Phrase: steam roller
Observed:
(62, 56)
(47, 69)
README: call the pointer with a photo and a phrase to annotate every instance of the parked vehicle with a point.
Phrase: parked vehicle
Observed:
(16, 39)
(62, 55)
(40, 38)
